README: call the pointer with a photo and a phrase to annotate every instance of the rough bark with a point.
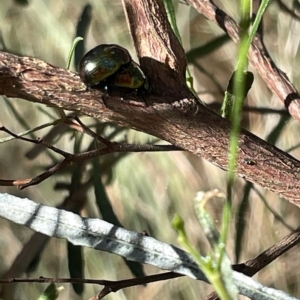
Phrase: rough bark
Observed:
(170, 112)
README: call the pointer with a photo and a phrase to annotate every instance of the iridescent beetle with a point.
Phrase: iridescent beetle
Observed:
(102, 62)
(109, 67)
(131, 77)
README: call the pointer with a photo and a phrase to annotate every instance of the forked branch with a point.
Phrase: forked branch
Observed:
(171, 114)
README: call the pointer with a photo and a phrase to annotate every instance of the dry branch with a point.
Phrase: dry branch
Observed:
(274, 78)
(170, 113)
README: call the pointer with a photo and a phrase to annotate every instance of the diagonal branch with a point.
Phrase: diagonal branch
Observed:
(252, 266)
(274, 78)
(173, 115)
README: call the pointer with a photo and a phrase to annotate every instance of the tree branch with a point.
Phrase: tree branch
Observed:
(274, 78)
(170, 112)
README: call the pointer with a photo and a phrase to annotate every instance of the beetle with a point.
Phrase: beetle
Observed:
(102, 62)
(110, 66)
(131, 77)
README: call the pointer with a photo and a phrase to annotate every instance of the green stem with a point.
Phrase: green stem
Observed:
(206, 264)
(71, 53)
(239, 91)
(172, 19)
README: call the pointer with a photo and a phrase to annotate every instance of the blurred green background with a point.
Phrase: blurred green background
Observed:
(145, 189)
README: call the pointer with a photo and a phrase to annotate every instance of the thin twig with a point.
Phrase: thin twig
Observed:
(252, 266)
(274, 78)
(291, 12)
(70, 159)
(92, 133)
(249, 268)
